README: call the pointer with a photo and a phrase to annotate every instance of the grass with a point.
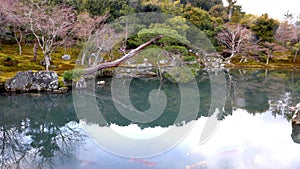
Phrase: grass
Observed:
(24, 62)
(279, 61)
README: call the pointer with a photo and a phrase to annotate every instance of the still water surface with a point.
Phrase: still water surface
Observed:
(43, 130)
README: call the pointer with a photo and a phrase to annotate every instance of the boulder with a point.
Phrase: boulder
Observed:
(66, 57)
(33, 81)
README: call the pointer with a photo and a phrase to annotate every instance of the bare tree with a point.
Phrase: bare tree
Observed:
(232, 37)
(286, 33)
(4, 17)
(87, 25)
(86, 28)
(51, 26)
(10, 10)
(269, 48)
(250, 49)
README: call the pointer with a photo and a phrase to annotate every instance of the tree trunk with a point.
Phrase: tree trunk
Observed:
(115, 63)
(230, 13)
(47, 59)
(268, 59)
(228, 60)
(35, 50)
(47, 62)
(295, 56)
(18, 40)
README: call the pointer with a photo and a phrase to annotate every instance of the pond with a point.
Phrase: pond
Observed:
(241, 121)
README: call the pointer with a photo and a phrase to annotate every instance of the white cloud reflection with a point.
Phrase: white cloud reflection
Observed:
(245, 141)
(242, 141)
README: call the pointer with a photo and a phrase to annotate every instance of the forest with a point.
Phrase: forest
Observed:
(34, 34)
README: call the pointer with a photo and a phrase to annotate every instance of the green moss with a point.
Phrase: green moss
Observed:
(24, 61)
(189, 58)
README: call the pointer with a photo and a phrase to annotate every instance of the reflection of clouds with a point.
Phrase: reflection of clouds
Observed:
(260, 142)
(242, 141)
(135, 132)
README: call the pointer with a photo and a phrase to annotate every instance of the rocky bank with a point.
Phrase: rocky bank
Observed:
(33, 81)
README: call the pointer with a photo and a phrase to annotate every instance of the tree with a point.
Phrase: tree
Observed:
(16, 24)
(115, 63)
(250, 50)
(173, 7)
(231, 6)
(203, 4)
(233, 37)
(86, 25)
(265, 28)
(3, 21)
(198, 17)
(219, 11)
(51, 26)
(269, 48)
(288, 17)
(6, 9)
(296, 49)
(297, 24)
(101, 43)
(237, 14)
(248, 20)
(286, 33)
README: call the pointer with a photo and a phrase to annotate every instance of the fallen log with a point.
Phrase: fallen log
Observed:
(115, 63)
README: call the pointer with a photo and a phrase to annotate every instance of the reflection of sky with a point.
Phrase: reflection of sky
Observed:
(241, 141)
(247, 141)
(135, 132)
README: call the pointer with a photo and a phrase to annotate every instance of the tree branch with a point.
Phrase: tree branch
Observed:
(115, 63)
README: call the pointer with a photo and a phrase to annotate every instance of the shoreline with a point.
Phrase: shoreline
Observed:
(272, 66)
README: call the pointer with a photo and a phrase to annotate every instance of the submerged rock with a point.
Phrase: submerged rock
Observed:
(33, 81)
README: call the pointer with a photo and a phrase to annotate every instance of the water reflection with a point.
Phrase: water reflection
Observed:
(42, 131)
(36, 129)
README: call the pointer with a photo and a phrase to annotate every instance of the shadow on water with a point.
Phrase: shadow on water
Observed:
(42, 129)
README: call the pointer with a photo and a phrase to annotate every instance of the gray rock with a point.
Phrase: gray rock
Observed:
(66, 57)
(33, 81)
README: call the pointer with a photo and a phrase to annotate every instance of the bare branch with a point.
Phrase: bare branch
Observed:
(115, 63)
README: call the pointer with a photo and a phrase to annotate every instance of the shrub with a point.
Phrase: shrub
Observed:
(181, 50)
(73, 74)
(189, 58)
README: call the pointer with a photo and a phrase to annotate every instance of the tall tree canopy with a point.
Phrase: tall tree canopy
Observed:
(265, 28)
(204, 4)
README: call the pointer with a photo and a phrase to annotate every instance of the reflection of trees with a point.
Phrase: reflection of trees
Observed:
(139, 92)
(36, 130)
(259, 91)
(296, 133)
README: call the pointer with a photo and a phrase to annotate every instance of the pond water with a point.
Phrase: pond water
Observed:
(254, 129)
